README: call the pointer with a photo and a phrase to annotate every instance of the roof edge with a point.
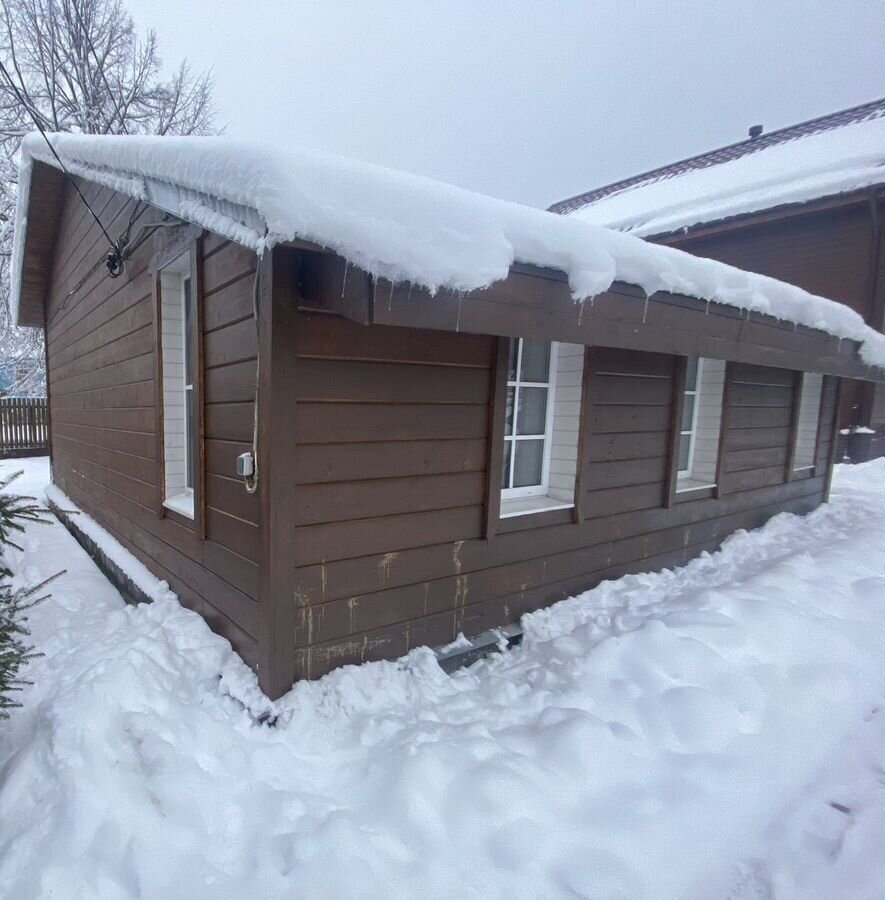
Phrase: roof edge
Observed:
(853, 114)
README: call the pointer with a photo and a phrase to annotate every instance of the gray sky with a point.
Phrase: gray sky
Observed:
(530, 101)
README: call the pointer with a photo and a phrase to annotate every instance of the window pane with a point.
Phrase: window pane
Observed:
(188, 328)
(691, 373)
(687, 412)
(531, 417)
(511, 366)
(508, 411)
(535, 361)
(527, 467)
(684, 443)
(188, 438)
(505, 471)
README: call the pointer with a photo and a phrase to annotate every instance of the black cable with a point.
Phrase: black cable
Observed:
(114, 259)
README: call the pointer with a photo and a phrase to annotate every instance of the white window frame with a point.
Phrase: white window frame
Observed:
(187, 349)
(692, 432)
(707, 398)
(539, 490)
(812, 409)
(181, 501)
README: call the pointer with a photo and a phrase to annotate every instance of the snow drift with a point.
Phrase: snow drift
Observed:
(704, 733)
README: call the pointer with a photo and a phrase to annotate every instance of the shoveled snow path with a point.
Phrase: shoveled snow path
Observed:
(665, 736)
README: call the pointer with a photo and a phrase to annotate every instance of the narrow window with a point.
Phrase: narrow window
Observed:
(807, 422)
(179, 373)
(698, 446)
(541, 422)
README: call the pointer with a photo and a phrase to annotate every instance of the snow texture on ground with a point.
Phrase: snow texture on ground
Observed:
(704, 733)
(805, 168)
(401, 226)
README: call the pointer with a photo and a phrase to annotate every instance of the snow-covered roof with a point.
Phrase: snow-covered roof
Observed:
(835, 154)
(403, 227)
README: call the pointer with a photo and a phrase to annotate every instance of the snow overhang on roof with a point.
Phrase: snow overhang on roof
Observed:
(402, 227)
(826, 157)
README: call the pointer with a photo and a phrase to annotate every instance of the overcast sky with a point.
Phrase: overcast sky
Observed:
(530, 101)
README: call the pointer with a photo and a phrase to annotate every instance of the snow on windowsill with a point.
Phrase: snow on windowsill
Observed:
(685, 485)
(183, 504)
(524, 506)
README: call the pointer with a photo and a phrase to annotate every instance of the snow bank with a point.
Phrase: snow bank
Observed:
(690, 735)
(805, 168)
(404, 227)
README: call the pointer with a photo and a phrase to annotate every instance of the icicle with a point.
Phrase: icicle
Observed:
(580, 311)
(409, 295)
(458, 322)
(390, 298)
(707, 313)
(645, 309)
(344, 280)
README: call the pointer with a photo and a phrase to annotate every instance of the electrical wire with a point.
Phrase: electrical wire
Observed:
(251, 481)
(114, 257)
(126, 251)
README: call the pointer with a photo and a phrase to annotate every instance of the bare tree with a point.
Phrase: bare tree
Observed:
(80, 66)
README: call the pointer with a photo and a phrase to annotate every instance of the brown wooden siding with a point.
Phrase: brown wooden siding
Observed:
(826, 253)
(100, 350)
(833, 252)
(391, 465)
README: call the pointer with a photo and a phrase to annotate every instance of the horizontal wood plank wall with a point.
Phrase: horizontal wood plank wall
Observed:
(828, 252)
(101, 377)
(391, 466)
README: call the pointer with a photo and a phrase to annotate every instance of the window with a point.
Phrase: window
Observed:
(698, 446)
(178, 323)
(807, 422)
(541, 421)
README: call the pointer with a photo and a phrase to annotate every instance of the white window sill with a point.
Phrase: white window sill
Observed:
(182, 503)
(524, 506)
(684, 485)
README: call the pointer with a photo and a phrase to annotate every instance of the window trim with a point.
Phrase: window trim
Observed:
(792, 473)
(186, 239)
(535, 490)
(693, 428)
(699, 490)
(567, 513)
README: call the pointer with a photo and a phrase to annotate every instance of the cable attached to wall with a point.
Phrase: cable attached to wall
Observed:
(114, 257)
(250, 479)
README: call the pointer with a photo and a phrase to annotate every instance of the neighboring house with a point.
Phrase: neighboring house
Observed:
(444, 439)
(805, 204)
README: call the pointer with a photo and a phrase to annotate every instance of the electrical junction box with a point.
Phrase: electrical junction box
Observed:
(245, 465)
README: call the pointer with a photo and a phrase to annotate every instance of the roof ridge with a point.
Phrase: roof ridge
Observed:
(872, 109)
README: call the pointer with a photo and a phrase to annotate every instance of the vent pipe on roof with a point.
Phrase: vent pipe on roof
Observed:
(755, 131)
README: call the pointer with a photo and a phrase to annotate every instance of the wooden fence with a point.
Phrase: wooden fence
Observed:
(24, 426)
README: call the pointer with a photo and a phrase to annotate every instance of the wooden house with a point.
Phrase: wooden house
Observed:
(804, 204)
(346, 412)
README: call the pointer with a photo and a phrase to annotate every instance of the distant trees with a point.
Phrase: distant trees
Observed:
(82, 67)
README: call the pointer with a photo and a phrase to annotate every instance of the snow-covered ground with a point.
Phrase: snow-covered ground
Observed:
(711, 732)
